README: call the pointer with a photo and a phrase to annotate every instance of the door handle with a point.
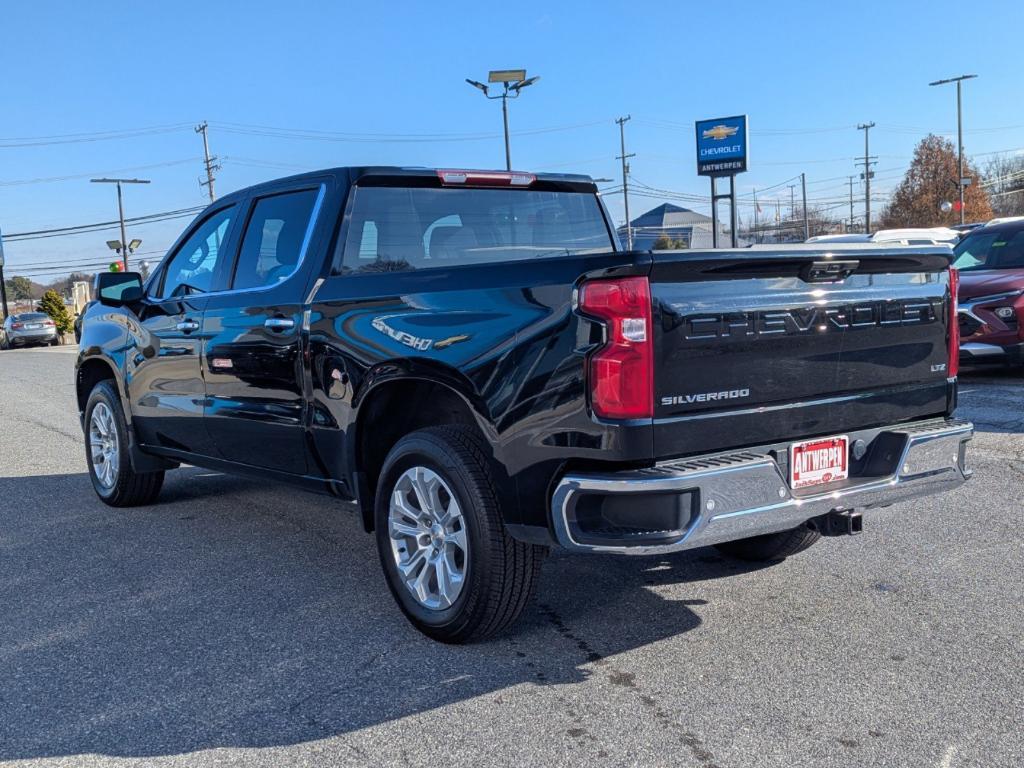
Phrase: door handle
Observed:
(187, 326)
(279, 323)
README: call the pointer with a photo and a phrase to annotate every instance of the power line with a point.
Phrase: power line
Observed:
(78, 138)
(304, 134)
(50, 179)
(101, 225)
(256, 162)
(885, 127)
(69, 261)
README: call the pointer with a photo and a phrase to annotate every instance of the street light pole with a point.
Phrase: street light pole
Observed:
(959, 134)
(120, 210)
(504, 117)
(513, 82)
(124, 237)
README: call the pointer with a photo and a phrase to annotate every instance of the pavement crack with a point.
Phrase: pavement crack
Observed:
(75, 437)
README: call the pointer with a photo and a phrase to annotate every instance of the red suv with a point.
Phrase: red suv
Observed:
(991, 264)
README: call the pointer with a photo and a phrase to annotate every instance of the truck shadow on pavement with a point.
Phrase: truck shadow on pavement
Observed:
(234, 613)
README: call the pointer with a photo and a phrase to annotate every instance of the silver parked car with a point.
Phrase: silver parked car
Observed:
(26, 329)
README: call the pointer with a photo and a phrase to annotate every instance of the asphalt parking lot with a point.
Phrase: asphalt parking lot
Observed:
(244, 623)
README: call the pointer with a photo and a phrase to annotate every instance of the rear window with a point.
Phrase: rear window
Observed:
(991, 250)
(33, 316)
(398, 228)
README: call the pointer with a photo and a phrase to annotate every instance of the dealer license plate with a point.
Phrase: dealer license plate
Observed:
(816, 462)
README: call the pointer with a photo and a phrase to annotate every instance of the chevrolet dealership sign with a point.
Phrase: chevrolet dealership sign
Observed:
(722, 146)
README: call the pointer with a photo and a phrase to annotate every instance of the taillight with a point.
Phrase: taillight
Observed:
(486, 178)
(953, 365)
(49, 324)
(622, 370)
(17, 326)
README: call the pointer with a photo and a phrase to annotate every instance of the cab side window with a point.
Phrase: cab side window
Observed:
(192, 268)
(272, 244)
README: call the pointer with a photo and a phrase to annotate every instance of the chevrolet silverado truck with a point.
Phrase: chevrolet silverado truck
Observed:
(473, 359)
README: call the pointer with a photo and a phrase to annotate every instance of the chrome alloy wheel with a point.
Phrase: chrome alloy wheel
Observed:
(428, 538)
(103, 445)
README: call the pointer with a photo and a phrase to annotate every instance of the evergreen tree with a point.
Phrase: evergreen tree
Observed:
(53, 305)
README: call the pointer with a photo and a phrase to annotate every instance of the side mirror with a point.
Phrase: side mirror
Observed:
(115, 289)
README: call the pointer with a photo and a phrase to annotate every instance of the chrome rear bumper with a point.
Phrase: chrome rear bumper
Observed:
(723, 497)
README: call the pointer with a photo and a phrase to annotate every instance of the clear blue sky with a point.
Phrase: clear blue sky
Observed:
(805, 73)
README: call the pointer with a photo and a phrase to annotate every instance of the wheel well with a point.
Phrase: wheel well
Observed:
(393, 411)
(91, 373)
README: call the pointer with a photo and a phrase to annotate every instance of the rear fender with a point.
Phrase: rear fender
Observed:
(413, 372)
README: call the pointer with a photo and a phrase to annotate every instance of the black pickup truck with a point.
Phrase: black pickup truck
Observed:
(474, 360)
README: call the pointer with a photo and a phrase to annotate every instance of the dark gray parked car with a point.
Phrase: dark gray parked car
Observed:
(26, 329)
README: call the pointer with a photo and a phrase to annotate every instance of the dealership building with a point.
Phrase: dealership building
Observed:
(691, 229)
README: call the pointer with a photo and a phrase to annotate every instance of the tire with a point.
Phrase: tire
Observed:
(106, 452)
(55, 341)
(772, 547)
(498, 574)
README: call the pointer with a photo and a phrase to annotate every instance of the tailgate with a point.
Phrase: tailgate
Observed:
(765, 345)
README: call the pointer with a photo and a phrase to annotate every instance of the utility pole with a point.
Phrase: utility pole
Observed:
(851, 205)
(3, 291)
(755, 216)
(807, 226)
(625, 178)
(959, 135)
(124, 249)
(867, 162)
(210, 162)
(3, 285)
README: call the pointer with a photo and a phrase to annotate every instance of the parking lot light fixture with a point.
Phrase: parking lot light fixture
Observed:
(959, 135)
(120, 210)
(513, 82)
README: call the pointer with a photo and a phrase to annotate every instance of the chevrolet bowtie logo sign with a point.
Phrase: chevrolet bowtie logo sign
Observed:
(721, 145)
(720, 132)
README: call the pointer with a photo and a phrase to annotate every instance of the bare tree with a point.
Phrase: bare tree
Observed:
(1004, 182)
